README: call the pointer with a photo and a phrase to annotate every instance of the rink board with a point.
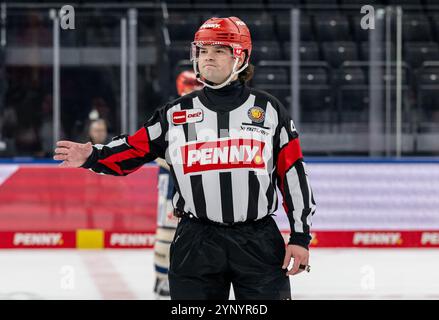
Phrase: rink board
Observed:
(359, 205)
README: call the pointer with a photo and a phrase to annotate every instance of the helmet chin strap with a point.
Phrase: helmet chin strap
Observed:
(226, 82)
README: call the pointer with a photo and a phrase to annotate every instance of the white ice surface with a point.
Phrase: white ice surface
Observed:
(128, 274)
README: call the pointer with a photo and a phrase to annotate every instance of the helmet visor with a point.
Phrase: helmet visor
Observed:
(196, 46)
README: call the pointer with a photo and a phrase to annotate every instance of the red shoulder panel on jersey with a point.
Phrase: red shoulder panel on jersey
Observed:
(287, 157)
(140, 141)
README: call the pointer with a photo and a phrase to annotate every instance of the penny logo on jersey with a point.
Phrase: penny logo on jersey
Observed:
(224, 154)
(256, 114)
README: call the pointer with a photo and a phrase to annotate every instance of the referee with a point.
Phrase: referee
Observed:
(227, 146)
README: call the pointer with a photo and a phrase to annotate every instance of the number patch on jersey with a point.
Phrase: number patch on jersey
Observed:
(293, 127)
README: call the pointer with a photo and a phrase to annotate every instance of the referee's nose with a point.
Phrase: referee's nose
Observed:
(210, 53)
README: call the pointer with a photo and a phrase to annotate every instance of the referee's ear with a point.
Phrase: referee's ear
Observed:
(241, 60)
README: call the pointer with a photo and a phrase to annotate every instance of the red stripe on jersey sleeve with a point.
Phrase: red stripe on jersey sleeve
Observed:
(140, 143)
(286, 158)
(112, 166)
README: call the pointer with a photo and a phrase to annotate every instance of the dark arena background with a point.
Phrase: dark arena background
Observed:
(360, 79)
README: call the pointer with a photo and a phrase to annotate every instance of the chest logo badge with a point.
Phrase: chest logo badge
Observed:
(256, 114)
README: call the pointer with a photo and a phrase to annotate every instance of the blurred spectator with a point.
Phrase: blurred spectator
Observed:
(46, 128)
(100, 110)
(98, 133)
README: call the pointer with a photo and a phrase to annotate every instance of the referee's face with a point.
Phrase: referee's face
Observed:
(216, 63)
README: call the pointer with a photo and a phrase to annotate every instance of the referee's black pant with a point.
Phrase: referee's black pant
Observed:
(205, 259)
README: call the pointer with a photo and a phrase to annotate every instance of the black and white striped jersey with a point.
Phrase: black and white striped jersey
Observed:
(225, 163)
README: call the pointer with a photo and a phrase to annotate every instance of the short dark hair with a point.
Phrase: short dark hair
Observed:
(247, 74)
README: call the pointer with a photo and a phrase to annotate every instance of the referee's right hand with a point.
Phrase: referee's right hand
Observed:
(300, 256)
(72, 154)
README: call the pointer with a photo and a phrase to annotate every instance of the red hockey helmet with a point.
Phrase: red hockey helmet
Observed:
(187, 82)
(232, 32)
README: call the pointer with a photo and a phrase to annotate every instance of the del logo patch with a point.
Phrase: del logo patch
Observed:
(256, 114)
(187, 116)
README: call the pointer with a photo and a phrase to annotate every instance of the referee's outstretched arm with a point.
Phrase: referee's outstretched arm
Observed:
(122, 156)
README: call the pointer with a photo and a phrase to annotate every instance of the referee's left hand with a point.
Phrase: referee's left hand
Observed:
(300, 256)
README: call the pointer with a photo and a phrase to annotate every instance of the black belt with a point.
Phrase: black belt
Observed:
(182, 214)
